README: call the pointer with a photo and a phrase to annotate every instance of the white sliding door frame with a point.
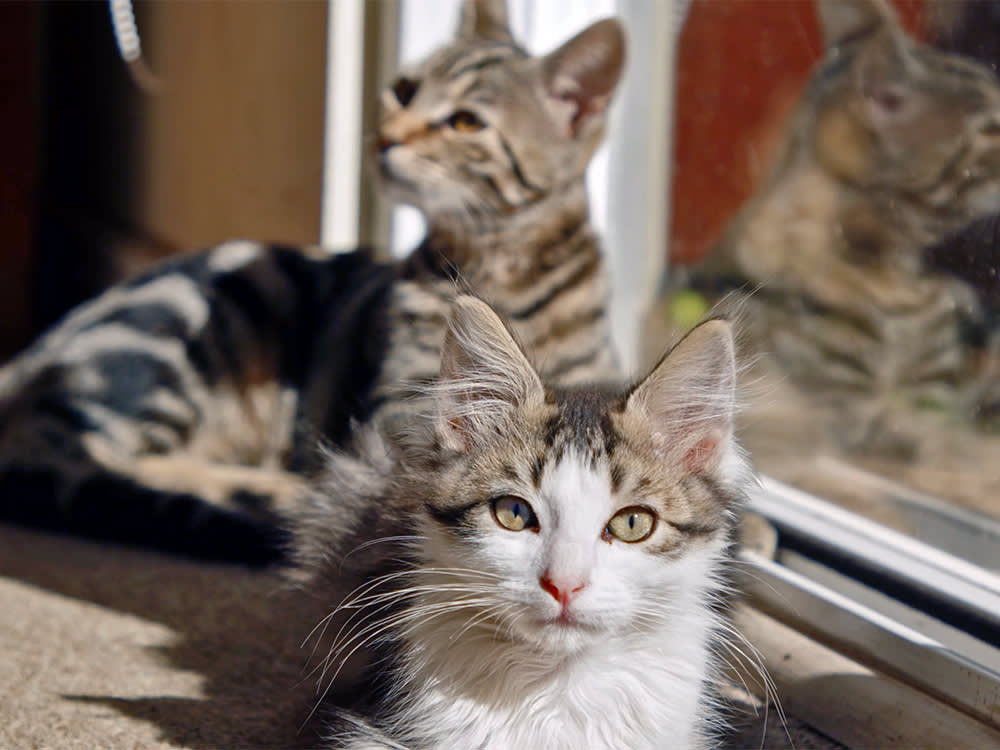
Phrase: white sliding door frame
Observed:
(342, 149)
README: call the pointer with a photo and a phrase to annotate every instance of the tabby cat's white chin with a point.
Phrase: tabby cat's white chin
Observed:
(563, 636)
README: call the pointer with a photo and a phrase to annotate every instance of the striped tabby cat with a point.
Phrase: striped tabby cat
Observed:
(894, 146)
(543, 569)
(180, 409)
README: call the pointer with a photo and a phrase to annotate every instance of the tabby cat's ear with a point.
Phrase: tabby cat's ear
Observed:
(582, 74)
(882, 77)
(485, 19)
(881, 69)
(484, 376)
(689, 399)
(843, 20)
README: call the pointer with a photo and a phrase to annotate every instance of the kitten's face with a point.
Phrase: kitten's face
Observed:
(961, 86)
(913, 121)
(581, 542)
(453, 137)
(563, 518)
(482, 128)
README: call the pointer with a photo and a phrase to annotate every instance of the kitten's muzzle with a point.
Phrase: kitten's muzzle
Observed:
(563, 592)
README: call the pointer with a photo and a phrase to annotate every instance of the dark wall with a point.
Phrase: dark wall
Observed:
(19, 169)
(90, 114)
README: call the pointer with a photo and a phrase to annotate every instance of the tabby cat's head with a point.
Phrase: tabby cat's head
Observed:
(585, 514)
(482, 127)
(899, 117)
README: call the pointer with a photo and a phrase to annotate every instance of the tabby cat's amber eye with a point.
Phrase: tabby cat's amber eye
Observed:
(404, 89)
(465, 121)
(514, 513)
(632, 525)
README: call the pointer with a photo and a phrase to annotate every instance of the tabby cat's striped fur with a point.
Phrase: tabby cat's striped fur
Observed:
(180, 409)
(543, 568)
(894, 146)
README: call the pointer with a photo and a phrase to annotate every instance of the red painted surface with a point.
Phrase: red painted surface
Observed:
(741, 66)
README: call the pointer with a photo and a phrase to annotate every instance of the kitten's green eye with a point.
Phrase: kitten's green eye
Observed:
(632, 525)
(465, 121)
(513, 513)
(404, 89)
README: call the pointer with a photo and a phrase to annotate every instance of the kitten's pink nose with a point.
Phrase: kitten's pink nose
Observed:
(562, 591)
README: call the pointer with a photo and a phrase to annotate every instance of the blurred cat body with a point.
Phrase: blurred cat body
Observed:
(181, 409)
(544, 568)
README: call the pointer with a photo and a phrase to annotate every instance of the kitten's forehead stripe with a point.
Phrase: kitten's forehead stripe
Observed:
(453, 63)
(447, 59)
(476, 66)
(583, 422)
(537, 468)
(474, 60)
(464, 86)
(617, 477)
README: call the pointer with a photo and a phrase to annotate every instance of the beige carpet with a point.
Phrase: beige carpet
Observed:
(106, 647)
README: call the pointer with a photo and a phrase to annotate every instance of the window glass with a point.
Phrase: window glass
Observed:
(836, 179)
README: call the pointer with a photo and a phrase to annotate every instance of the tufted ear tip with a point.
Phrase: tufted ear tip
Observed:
(484, 374)
(842, 20)
(485, 19)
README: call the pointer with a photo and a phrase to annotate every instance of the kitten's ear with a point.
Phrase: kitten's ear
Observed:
(883, 75)
(582, 74)
(484, 375)
(843, 20)
(689, 398)
(882, 68)
(485, 19)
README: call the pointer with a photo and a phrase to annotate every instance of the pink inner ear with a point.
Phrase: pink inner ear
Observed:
(583, 109)
(701, 454)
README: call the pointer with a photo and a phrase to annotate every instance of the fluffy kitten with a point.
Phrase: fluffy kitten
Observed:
(542, 569)
(180, 409)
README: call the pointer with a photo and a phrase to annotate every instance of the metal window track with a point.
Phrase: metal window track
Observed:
(879, 594)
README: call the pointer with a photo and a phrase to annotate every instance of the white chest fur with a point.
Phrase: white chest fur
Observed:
(640, 692)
